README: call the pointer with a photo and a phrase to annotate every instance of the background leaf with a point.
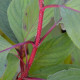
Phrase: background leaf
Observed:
(75, 4)
(71, 22)
(15, 16)
(69, 17)
(76, 56)
(51, 53)
(24, 19)
(71, 74)
(57, 14)
(44, 72)
(3, 56)
(4, 24)
(48, 2)
(12, 67)
(56, 32)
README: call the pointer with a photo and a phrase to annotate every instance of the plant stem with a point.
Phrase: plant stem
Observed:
(41, 3)
(39, 29)
(21, 64)
(25, 73)
(57, 6)
(20, 44)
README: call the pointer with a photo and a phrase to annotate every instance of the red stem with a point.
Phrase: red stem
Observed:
(57, 6)
(39, 29)
(25, 73)
(41, 3)
(21, 64)
(21, 61)
(18, 75)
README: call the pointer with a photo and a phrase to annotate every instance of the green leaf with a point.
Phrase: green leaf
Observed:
(12, 67)
(3, 56)
(44, 72)
(71, 22)
(52, 52)
(31, 19)
(3, 62)
(4, 24)
(71, 74)
(23, 18)
(57, 14)
(56, 32)
(48, 2)
(74, 4)
(76, 56)
(15, 16)
(68, 60)
(70, 17)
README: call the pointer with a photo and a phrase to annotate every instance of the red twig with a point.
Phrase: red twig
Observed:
(41, 3)
(57, 6)
(25, 73)
(20, 44)
(39, 29)
(21, 64)
(20, 59)
(18, 75)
